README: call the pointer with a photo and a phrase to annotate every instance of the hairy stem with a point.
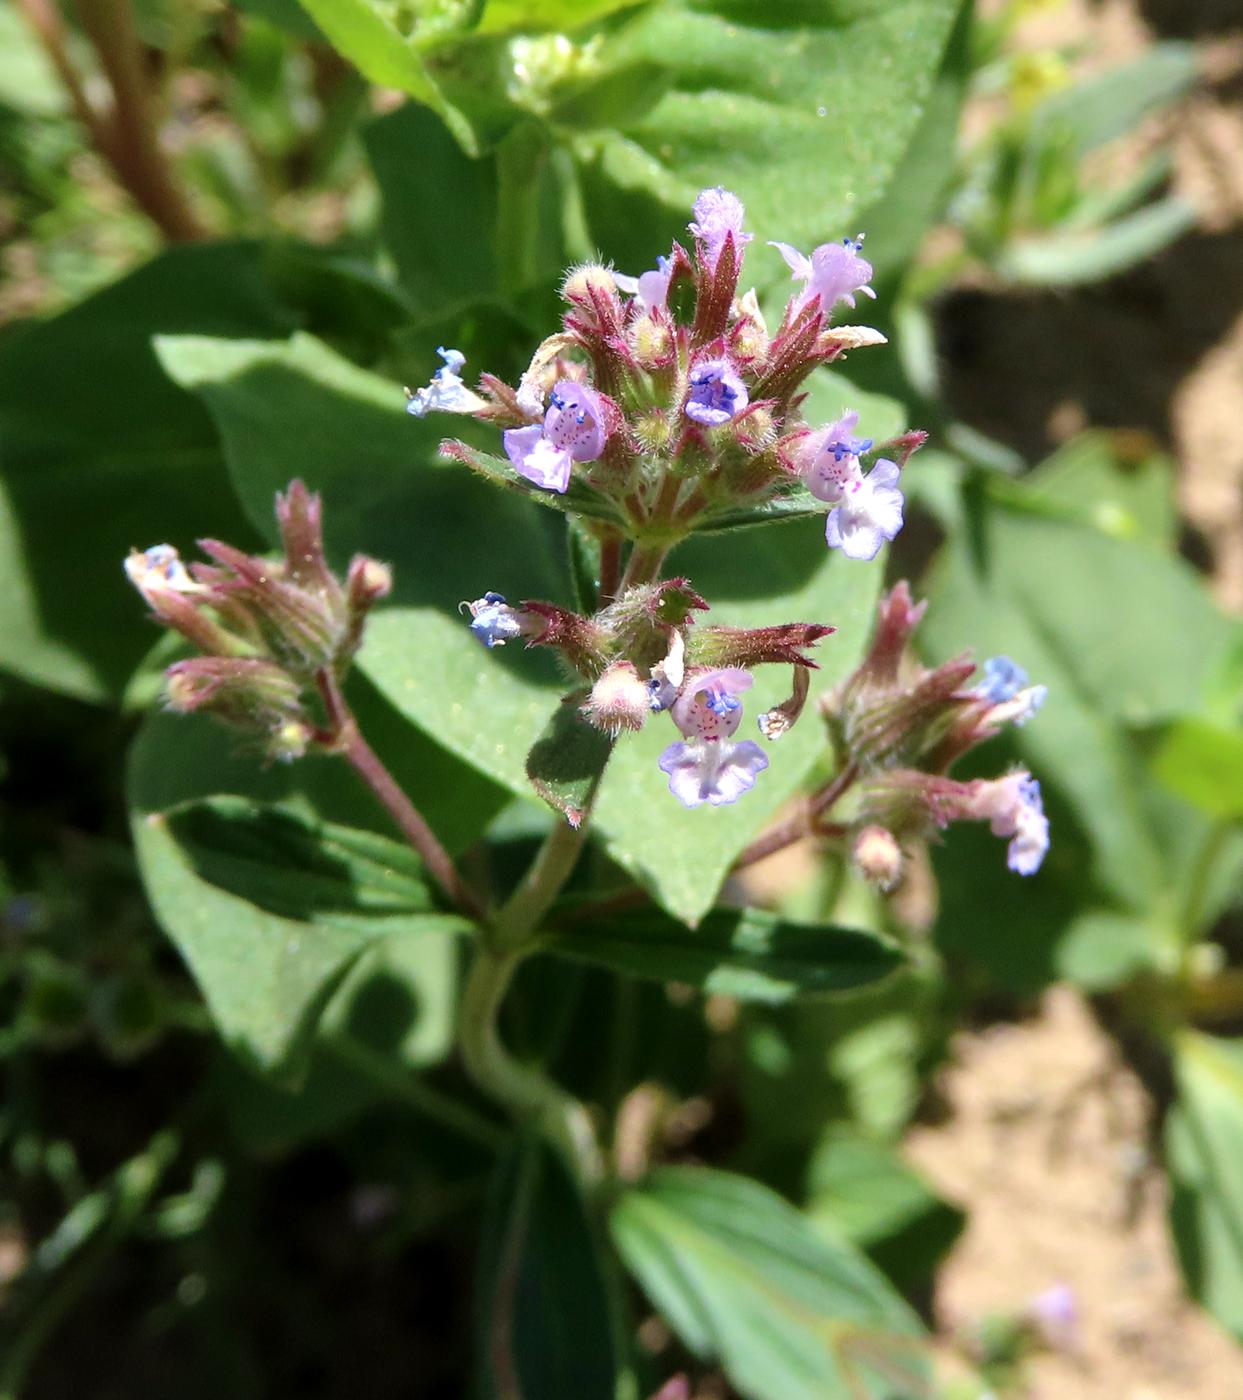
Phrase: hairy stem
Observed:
(130, 136)
(803, 821)
(644, 564)
(347, 740)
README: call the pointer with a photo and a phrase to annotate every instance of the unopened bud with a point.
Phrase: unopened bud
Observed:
(289, 740)
(877, 856)
(368, 581)
(618, 700)
(652, 341)
(581, 282)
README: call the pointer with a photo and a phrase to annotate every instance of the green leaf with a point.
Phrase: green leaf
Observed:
(746, 953)
(745, 1280)
(544, 1325)
(1203, 763)
(366, 32)
(566, 761)
(770, 101)
(270, 904)
(437, 208)
(865, 1190)
(1093, 479)
(99, 453)
(914, 197)
(502, 15)
(1108, 105)
(1069, 259)
(1204, 1146)
(28, 81)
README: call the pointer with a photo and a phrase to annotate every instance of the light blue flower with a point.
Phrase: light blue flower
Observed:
(445, 393)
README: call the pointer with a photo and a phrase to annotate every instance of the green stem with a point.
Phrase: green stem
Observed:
(526, 1092)
(416, 1094)
(131, 1188)
(524, 910)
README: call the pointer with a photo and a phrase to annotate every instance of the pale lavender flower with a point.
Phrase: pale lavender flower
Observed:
(445, 393)
(707, 766)
(716, 393)
(1013, 807)
(651, 289)
(833, 459)
(718, 214)
(834, 272)
(573, 430)
(869, 514)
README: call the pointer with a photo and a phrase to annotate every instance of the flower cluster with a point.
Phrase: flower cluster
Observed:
(677, 418)
(903, 725)
(267, 632)
(664, 402)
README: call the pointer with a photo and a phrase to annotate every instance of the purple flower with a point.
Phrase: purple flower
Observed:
(718, 214)
(834, 272)
(1013, 807)
(651, 289)
(573, 431)
(716, 393)
(707, 766)
(1005, 687)
(445, 393)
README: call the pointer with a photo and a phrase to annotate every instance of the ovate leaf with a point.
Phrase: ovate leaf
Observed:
(746, 1281)
(544, 1326)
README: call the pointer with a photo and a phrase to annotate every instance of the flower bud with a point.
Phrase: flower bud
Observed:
(367, 582)
(582, 284)
(618, 700)
(877, 856)
(651, 341)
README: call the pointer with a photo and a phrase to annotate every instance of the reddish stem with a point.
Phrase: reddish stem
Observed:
(347, 739)
(802, 822)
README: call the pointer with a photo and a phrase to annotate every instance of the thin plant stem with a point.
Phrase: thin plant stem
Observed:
(347, 740)
(522, 913)
(610, 566)
(524, 1090)
(802, 822)
(644, 564)
(1199, 886)
(416, 1094)
(45, 19)
(131, 134)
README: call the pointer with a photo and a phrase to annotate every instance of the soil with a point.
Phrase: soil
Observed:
(1046, 1146)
